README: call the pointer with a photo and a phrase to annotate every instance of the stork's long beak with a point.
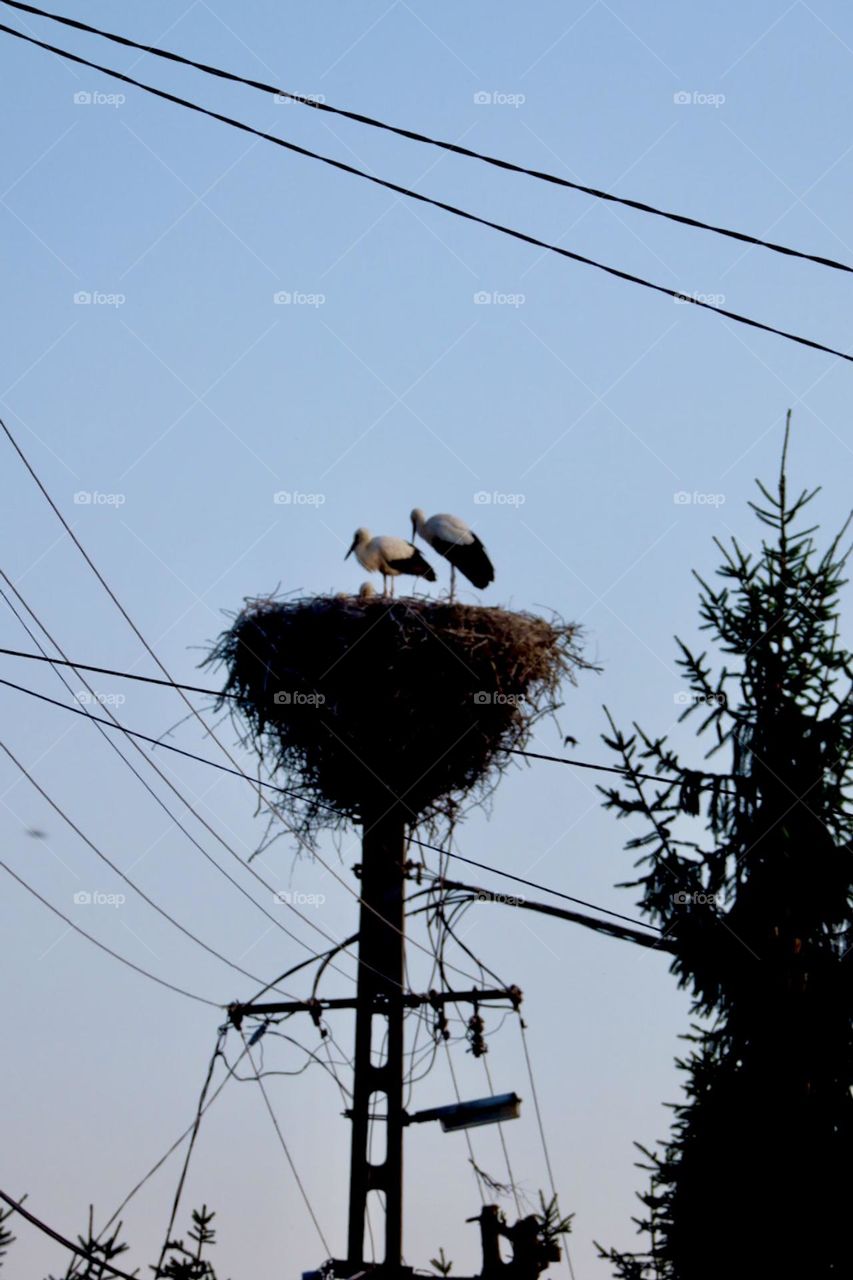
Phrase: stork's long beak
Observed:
(352, 548)
(414, 530)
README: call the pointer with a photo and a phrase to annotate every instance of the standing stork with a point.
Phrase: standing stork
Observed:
(390, 557)
(452, 538)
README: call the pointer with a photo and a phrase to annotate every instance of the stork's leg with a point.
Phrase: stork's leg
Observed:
(452, 583)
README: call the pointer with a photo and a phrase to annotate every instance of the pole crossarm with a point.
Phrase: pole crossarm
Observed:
(410, 999)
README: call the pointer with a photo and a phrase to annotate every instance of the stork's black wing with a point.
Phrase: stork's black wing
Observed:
(415, 565)
(469, 558)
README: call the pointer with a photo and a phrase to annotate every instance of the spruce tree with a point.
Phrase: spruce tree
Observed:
(752, 1180)
(187, 1262)
(6, 1236)
(99, 1253)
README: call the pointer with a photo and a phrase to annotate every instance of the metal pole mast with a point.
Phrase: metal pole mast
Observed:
(378, 1083)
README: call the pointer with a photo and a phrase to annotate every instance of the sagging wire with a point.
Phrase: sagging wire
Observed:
(285, 1149)
(218, 1052)
(535, 1096)
(476, 1037)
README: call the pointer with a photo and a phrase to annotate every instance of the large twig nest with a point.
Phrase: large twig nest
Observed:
(358, 704)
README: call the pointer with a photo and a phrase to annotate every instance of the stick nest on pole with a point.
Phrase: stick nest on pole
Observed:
(361, 704)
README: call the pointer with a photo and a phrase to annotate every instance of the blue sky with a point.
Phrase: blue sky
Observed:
(182, 398)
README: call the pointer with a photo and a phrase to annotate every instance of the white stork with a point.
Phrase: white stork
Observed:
(390, 557)
(452, 538)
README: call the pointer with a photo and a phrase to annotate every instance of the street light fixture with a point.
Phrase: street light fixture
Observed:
(469, 1115)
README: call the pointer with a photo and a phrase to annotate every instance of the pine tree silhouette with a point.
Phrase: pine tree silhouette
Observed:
(749, 1182)
(6, 1236)
(99, 1252)
(187, 1263)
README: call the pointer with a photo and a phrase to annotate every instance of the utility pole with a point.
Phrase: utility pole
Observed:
(380, 1005)
(370, 740)
(378, 1084)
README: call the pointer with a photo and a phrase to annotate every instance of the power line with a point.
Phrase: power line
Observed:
(145, 784)
(455, 210)
(103, 947)
(413, 136)
(544, 1140)
(328, 1064)
(236, 771)
(586, 764)
(531, 884)
(152, 764)
(502, 1136)
(217, 1052)
(303, 964)
(136, 631)
(202, 1106)
(475, 892)
(287, 1154)
(55, 1235)
(468, 1139)
(207, 1105)
(194, 711)
(230, 1074)
(148, 760)
(114, 723)
(577, 918)
(126, 878)
(112, 671)
(224, 694)
(214, 764)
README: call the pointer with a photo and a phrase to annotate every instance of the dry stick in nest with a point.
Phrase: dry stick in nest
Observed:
(374, 702)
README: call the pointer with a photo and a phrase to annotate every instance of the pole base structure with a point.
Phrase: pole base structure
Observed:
(378, 1081)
